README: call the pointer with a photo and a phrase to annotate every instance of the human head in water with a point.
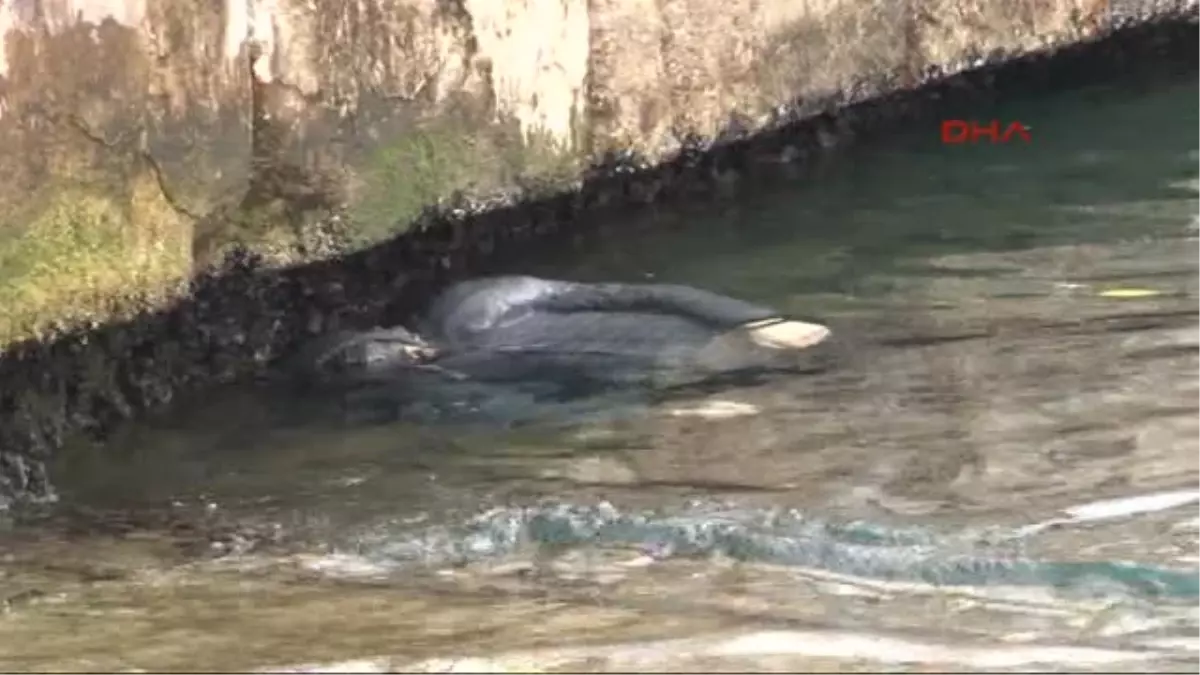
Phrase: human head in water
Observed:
(374, 351)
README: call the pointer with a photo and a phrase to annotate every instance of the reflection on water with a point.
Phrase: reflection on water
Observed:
(1015, 336)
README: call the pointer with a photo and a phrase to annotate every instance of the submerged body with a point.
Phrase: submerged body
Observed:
(547, 341)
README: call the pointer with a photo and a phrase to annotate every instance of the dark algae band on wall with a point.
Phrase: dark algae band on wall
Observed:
(241, 316)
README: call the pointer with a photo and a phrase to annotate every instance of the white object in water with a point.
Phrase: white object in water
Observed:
(1129, 293)
(775, 334)
(1108, 509)
(717, 409)
(1127, 506)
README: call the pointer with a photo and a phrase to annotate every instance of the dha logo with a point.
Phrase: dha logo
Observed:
(958, 132)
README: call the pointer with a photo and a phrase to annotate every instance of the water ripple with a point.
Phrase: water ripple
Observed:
(786, 538)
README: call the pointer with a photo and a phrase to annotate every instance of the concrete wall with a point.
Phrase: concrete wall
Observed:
(139, 137)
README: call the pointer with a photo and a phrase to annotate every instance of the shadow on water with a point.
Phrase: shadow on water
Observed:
(983, 376)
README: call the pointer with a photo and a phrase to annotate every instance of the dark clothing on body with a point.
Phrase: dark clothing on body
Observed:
(517, 342)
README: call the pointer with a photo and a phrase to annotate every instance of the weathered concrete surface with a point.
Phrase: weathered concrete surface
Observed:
(139, 136)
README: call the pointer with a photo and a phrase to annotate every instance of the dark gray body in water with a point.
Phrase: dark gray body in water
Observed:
(535, 342)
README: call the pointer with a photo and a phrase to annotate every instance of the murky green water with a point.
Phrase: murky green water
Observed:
(902, 500)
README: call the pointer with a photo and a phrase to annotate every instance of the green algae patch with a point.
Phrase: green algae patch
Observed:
(84, 252)
(445, 157)
(79, 252)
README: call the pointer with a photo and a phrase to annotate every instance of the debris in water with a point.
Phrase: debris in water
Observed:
(1129, 293)
(1108, 509)
(716, 410)
(1127, 506)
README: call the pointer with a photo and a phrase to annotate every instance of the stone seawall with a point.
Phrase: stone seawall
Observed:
(140, 139)
(235, 318)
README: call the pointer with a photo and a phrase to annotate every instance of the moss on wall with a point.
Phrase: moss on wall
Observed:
(73, 252)
(442, 157)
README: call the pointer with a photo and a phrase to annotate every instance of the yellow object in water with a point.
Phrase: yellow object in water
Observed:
(1127, 293)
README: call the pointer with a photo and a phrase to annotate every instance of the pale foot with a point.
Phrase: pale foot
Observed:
(776, 334)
